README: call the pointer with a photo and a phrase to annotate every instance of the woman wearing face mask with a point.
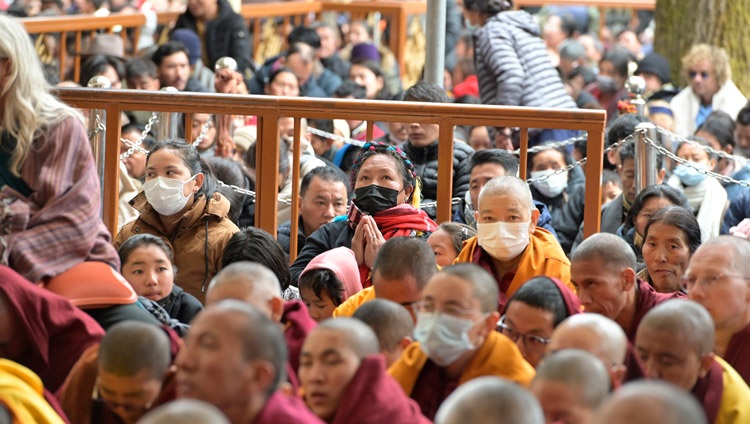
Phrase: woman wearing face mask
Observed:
(180, 203)
(385, 205)
(706, 196)
(563, 197)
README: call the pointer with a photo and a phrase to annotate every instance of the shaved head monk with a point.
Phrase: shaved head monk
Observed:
(597, 335)
(234, 359)
(718, 278)
(675, 343)
(650, 402)
(603, 272)
(508, 243)
(456, 339)
(570, 385)
(344, 377)
(490, 400)
(185, 411)
(256, 285)
(392, 325)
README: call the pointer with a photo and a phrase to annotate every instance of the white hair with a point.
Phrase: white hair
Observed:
(508, 185)
(612, 339)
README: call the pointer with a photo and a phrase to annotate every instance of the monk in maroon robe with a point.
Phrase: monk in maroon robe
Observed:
(718, 278)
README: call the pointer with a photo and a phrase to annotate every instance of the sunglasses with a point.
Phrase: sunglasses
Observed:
(704, 74)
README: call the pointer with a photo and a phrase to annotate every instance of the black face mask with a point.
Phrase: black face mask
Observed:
(374, 198)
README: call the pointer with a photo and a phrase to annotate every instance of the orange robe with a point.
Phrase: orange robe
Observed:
(350, 305)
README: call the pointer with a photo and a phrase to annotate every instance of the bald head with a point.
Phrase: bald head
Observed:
(483, 284)
(185, 411)
(131, 347)
(400, 258)
(613, 251)
(686, 320)
(357, 335)
(490, 400)
(390, 321)
(507, 186)
(738, 247)
(247, 282)
(593, 333)
(579, 371)
(650, 402)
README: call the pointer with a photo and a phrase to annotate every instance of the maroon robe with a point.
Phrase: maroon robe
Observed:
(280, 408)
(56, 331)
(709, 391)
(738, 353)
(374, 397)
(484, 260)
(297, 323)
(432, 388)
(646, 298)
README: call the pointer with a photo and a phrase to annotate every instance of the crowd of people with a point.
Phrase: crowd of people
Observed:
(504, 314)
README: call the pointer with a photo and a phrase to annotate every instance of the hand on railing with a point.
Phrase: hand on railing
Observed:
(228, 80)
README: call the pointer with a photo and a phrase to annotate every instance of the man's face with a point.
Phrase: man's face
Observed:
(422, 135)
(400, 131)
(199, 7)
(174, 71)
(610, 191)
(479, 138)
(302, 67)
(742, 138)
(323, 200)
(506, 208)
(726, 298)
(144, 82)
(327, 365)
(327, 42)
(525, 320)
(627, 176)
(128, 397)
(402, 291)
(667, 355)
(561, 403)
(199, 121)
(479, 176)
(602, 290)
(703, 80)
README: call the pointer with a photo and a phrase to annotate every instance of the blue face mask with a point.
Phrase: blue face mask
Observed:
(690, 176)
(444, 338)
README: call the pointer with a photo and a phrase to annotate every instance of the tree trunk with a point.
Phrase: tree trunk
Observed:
(723, 23)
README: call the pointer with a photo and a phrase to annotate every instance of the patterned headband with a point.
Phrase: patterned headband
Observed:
(373, 148)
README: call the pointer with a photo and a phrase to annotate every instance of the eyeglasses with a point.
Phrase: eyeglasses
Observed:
(530, 341)
(703, 74)
(708, 282)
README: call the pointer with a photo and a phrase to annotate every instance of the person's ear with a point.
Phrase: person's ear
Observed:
(408, 190)
(259, 375)
(613, 159)
(628, 279)
(706, 361)
(199, 179)
(729, 149)
(490, 323)
(405, 341)
(617, 375)
(277, 308)
(534, 219)
(660, 176)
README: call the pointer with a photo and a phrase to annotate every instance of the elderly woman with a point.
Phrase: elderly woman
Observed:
(385, 205)
(49, 188)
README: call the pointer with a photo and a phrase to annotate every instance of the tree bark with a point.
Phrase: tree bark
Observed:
(723, 23)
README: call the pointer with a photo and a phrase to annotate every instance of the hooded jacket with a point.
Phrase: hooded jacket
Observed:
(342, 263)
(202, 235)
(513, 66)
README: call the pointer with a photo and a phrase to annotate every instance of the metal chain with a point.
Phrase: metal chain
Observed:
(203, 132)
(667, 153)
(336, 137)
(100, 126)
(133, 147)
(553, 145)
(709, 149)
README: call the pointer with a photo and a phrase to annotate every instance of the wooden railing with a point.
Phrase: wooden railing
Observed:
(83, 25)
(269, 109)
(618, 4)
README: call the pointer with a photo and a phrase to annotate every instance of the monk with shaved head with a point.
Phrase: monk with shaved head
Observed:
(650, 402)
(456, 339)
(570, 385)
(509, 245)
(490, 400)
(718, 278)
(597, 335)
(675, 343)
(392, 325)
(344, 377)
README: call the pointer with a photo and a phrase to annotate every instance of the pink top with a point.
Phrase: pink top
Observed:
(341, 262)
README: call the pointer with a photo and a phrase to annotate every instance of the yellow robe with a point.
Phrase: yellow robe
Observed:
(735, 402)
(22, 393)
(351, 304)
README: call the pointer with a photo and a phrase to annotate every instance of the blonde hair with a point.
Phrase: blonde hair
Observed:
(28, 108)
(716, 56)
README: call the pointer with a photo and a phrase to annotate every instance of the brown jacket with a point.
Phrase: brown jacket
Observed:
(199, 243)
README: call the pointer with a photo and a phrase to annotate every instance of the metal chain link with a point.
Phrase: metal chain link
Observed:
(100, 126)
(336, 137)
(133, 147)
(203, 132)
(709, 149)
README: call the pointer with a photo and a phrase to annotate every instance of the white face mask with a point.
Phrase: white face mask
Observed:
(444, 338)
(503, 240)
(166, 195)
(552, 186)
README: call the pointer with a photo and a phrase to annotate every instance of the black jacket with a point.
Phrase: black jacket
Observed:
(284, 235)
(425, 161)
(180, 305)
(329, 236)
(225, 35)
(566, 211)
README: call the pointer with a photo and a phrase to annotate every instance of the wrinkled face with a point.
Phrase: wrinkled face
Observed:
(650, 207)
(285, 84)
(327, 365)
(521, 320)
(166, 163)
(602, 290)
(479, 176)
(327, 42)
(14, 344)
(666, 253)
(199, 121)
(703, 80)
(627, 176)
(422, 135)
(548, 159)
(150, 272)
(668, 356)
(301, 66)
(363, 76)
(561, 403)
(506, 208)
(210, 366)
(382, 170)
(357, 34)
(128, 397)
(403, 291)
(727, 297)
(136, 162)
(479, 138)
(323, 200)
(320, 307)
(174, 71)
(442, 244)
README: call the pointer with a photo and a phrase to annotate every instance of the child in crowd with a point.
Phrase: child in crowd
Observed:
(611, 186)
(448, 241)
(148, 265)
(328, 280)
